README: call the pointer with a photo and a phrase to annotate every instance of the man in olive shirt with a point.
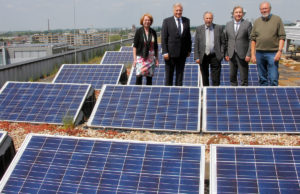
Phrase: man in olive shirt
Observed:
(267, 41)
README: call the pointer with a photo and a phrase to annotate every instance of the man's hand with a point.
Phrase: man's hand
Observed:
(253, 59)
(277, 56)
(247, 59)
(166, 57)
(198, 61)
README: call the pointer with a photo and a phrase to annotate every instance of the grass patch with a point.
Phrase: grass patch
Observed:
(95, 60)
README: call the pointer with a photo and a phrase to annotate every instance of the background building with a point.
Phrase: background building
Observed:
(22, 52)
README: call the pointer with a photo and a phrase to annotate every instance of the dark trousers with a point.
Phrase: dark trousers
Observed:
(177, 65)
(215, 68)
(236, 63)
(139, 80)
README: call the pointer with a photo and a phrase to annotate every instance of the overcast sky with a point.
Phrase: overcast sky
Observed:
(34, 14)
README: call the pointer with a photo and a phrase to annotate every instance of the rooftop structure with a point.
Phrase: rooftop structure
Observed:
(22, 52)
(293, 32)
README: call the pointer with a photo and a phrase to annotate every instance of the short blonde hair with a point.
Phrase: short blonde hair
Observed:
(148, 15)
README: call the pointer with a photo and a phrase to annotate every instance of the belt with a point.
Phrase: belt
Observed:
(210, 55)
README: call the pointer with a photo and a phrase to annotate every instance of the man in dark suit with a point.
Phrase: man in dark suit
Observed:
(176, 44)
(238, 46)
(209, 49)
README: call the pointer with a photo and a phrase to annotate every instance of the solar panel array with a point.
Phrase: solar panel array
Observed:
(55, 164)
(251, 109)
(190, 78)
(254, 169)
(42, 102)
(156, 108)
(116, 57)
(97, 75)
(225, 76)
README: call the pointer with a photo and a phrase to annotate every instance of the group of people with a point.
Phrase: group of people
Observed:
(239, 43)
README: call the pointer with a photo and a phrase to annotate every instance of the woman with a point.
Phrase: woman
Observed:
(145, 50)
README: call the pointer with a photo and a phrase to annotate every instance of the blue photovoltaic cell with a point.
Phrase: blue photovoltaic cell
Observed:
(41, 102)
(225, 76)
(130, 48)
(126, 49)
(148, 108)
(255, 169)
(252, 109)
(190, 78)
(96, 75)
(51, 164)
(189, 60)
(116, 57)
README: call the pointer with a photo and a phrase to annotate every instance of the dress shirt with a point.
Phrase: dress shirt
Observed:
(236, 25)
(210, 30)
(176, 20)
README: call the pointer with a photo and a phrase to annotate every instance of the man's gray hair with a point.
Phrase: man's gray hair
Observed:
(264, 3)
(208, 12)
(177, 5)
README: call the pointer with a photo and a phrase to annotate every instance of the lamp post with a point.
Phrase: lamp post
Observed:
(74, 37)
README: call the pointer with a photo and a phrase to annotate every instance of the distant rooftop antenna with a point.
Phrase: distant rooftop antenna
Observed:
(49, 35)
(48, 25)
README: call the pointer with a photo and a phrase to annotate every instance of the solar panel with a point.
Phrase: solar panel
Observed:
(126, 49)
(190, 78)
(3, 134)
(254, 169)
(158, 108)
(189, 60)
(251, 109)
(130, 48)
(56, 164)
(116, 57)
(42, 102)
(7, 151)
(225, 76)
(96, 75)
